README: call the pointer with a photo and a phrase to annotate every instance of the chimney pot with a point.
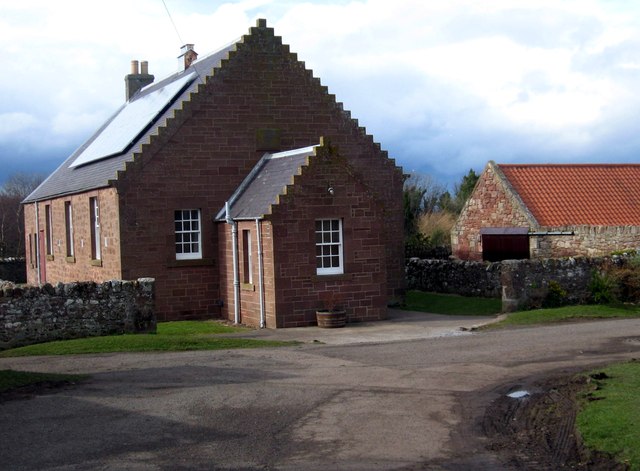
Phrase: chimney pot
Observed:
(187, 56)
(137, 79)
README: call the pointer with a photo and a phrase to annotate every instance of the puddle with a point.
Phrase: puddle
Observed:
(453, 333)
(518, 394)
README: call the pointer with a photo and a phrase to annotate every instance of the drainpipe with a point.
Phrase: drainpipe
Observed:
(37, 242)
(236, 275)
(263, 323)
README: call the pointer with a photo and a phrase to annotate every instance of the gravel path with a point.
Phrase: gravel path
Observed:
(399, 404)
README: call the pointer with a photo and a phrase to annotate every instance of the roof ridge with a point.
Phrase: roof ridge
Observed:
(628, 164)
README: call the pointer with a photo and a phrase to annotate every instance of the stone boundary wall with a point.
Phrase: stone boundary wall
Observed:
(30, 314)
(13, 270)
(522, 284)
(525, 283)
(462, 277)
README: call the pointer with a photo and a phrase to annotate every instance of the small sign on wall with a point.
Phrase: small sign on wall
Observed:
(268, 139)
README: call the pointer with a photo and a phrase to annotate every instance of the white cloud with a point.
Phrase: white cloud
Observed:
(444, 86)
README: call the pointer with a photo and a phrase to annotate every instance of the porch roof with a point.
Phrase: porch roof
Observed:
(265, 183)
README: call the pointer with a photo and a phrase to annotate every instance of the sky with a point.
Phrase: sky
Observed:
(443, 86)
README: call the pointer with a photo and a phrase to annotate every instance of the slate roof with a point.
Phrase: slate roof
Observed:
(268, 179)
(67, 179)
(578, 194)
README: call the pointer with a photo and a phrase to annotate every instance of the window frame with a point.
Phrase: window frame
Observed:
(247, 258)
(320, 244)
(32, 259)
(48, 219)
(190, 255)
(94, 217)
(68, 224)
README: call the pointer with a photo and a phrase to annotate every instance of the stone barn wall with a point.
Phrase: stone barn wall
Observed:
(587, 241)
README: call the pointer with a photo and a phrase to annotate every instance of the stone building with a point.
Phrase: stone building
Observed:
(549, 211)
(239, 184)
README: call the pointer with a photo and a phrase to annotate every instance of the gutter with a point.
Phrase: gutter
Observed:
(263, 322)
(552, 233)
(37, 241)
(236, 275)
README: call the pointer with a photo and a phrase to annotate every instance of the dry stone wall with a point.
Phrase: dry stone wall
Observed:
(30, 314)
(455, 277)
(525, 283)
(522, 284)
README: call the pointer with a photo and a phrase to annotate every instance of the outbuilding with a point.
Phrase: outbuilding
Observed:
(519, 211)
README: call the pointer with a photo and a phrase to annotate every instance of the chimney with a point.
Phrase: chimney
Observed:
(187, 56)
(137, 78)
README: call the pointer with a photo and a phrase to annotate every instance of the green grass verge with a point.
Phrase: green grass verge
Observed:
(170, 337)
(438, 303)
(196, 327)
(611, 423)
(566, 313)
(10, 379)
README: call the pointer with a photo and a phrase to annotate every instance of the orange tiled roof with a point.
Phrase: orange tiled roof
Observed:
(589, 194)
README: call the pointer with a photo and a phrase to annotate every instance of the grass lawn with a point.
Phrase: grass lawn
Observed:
(612, 422)
(171, 336)
(10, 379)
(565, 313)
(438, 303)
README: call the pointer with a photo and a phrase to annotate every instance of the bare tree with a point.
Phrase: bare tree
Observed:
(14, 190)
(422, 195)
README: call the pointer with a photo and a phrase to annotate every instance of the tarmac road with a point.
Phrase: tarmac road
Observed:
(405, 404)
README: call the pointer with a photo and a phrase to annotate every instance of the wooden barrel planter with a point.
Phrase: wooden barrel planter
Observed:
(331, 319)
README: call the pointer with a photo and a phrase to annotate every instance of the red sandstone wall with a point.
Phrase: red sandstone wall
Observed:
(292, 288)
(59, 267)
(203, 155)
(362, 289)
(249, 313)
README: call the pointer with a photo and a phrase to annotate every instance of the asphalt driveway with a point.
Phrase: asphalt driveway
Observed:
(387, 403)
